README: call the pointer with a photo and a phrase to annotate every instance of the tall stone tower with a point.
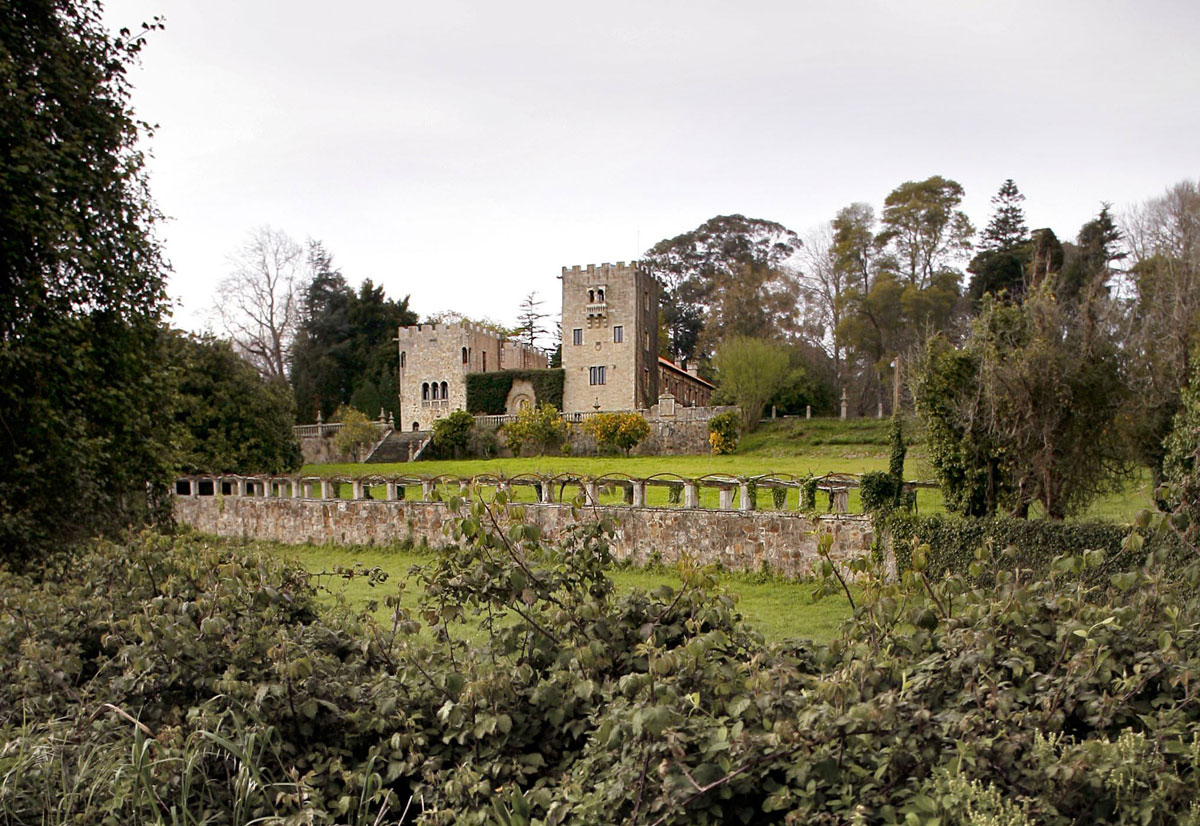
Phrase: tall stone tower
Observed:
(609, 337)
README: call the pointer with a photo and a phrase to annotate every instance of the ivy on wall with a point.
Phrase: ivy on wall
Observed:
(487, 392)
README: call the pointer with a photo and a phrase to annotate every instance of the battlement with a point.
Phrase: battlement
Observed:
(601, 269)
(407, 333)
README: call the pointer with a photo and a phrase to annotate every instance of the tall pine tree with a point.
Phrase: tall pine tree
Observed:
(1006, 231)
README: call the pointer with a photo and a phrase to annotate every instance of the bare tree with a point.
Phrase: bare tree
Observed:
(822, 287)
(258, 303)
(530, 328)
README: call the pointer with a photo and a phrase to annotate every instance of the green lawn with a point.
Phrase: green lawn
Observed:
(779, 609)
(794, 447)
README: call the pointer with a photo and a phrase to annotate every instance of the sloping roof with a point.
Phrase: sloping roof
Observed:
(670, 365)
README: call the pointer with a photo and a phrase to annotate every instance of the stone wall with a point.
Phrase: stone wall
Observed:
(739, 540)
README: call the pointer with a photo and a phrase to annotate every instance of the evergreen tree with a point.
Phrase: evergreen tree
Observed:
(1006, 231)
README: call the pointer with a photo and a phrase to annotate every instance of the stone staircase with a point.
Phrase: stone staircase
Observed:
(399, 446)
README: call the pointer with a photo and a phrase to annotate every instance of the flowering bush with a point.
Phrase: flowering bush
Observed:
(617, 430)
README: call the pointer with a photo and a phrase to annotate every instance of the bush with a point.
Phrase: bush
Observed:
(451, 432)
(879, 491)
(723, 432)
(537, 428)
(356, 434)
(487, 393)
(1034, 543)
(617, 431)
(173, 675)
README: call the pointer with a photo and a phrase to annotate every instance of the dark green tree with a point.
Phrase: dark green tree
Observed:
(1004, 248)
(1091, 264)
(1006, 230)
(228, 418)
(82, 389)
(344, 351)
(722, 278)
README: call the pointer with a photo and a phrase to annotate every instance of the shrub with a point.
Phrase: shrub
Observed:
(808, 493)
(356, 434)
(723, 432)
(617, 431)
(537, 428)
(778, 499)
(452, 431)
(879, 491)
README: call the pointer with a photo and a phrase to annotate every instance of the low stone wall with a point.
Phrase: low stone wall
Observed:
(738, 540)
(320, 450)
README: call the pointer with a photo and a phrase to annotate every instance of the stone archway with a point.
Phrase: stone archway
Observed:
(521, 395)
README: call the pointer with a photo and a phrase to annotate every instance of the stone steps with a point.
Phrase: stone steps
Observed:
(399, 446)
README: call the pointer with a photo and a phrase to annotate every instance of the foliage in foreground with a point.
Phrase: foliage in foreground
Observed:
(172, 681)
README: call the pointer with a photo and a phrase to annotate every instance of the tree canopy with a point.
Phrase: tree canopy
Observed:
(81, 283)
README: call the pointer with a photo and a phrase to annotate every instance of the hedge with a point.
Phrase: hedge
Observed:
(953, 541)
(487, 392)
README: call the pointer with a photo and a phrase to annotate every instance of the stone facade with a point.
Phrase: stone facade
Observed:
(609, 337)
(682, 383)
(434, 362)
(738, 540)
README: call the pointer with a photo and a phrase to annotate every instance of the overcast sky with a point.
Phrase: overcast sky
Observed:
(463, 152)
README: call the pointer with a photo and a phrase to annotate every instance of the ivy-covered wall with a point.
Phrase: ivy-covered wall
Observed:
(487, 392)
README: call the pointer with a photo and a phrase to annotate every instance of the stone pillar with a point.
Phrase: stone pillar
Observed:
(726, 498)
(547, 491)
(691, 496)
(426, 490)
(879, 415)
(772, 412)
(591, 492)
(357, 487)
(808, 411)
(639, 493)
(327, 490)
(298, 488)
(241, 486)
(391, 491)
(843, 402)
(841, 500)
(744, 503)
(193, 486)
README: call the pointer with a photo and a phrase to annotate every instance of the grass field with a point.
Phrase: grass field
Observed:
(792, 446)
(779, 609)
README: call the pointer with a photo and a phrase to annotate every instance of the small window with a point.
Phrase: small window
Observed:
(464, 355)
(618, 334)
(577, 336)
(445, 395)
(425, 391)
(484, 361)
(596, 375)
(402, 359)
(591, 296)
(646, 337)
(600, 296)
(416, 425)
(433, 391)
(646, 299)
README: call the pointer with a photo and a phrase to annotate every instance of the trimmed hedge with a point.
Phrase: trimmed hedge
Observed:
(953, 541)
(487, 392)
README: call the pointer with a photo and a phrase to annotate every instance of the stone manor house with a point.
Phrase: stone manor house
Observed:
(609, 354)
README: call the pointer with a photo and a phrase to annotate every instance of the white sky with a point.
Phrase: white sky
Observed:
(462, 152)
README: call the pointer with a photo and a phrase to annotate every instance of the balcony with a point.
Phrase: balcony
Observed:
(600, 308)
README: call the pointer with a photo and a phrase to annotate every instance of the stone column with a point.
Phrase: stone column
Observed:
(298, 488)
(547, 491)
(193, 486)
(241, 486)
(591, 492)
(691, 496)
(357, 487)
(726, 498)
(391, 491)
(639, 493)
(426, 490)
(808, 411)
(327, 489)
(744, 503)
(844, 403)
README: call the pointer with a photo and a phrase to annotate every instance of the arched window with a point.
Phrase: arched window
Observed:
(591, 296)
(434, 388)
(401, 359)
(600, 296)
(425, 391)
(464, 355)
(445, 395)
(416, 425)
